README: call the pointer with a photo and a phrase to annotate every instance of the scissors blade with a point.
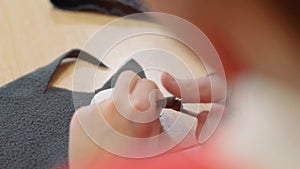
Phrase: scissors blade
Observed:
(175, 103)
(170, 103)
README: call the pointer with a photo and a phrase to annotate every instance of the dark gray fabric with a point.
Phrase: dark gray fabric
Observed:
(35, 118)
(112, 7)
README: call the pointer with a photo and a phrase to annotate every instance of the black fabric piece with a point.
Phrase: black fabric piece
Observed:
(35, 118)
(132, 66)
(113, 7)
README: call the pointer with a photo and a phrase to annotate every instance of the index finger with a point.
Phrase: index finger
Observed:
(180, 87)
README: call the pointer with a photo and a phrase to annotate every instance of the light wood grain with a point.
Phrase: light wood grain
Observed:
(33, 33)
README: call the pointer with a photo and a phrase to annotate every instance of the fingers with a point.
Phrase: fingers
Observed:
(135, 100)
(208, 121)
(195, 90)
(126, 82)
(122, 90)
(201, 120)
(145, 95)
(170, 84)
(141, 94)
(188, 90)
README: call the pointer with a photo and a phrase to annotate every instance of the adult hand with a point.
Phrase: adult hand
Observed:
(132, 96)
(204, 85)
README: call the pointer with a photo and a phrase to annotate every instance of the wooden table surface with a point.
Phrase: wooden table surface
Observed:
(33, 33)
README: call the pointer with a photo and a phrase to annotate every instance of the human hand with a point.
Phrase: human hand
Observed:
(132, 109)
(200, 91)
(204, 85)
(132, 96)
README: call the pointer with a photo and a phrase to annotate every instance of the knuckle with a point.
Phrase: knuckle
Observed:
(148, 83)
(140, 104)
(126, 75)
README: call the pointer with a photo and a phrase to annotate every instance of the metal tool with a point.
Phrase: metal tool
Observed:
(176, 104)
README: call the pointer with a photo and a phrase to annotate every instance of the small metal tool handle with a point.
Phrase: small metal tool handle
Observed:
(175, 104)
(193, 114)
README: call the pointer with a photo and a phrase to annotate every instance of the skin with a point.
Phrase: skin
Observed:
(128, 85)
(85, 153)
(250, 36)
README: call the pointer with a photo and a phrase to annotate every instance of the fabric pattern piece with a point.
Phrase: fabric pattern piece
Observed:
(35, 118)
(112, 7)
